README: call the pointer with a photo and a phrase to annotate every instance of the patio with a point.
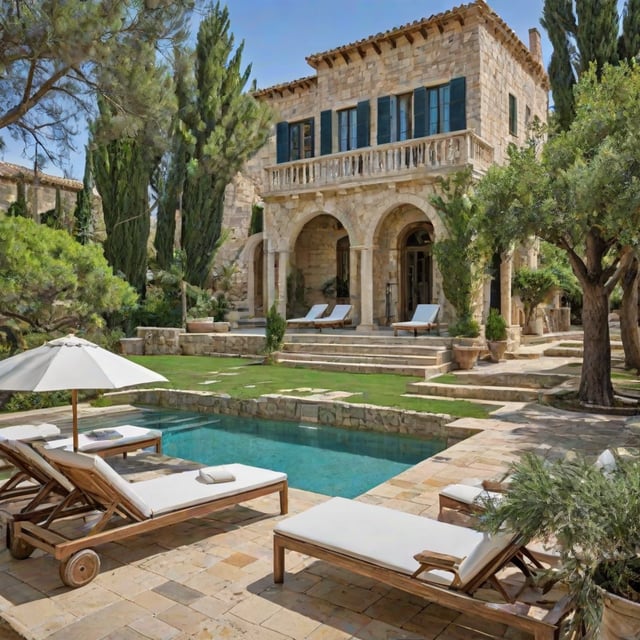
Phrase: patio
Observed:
(212, 578)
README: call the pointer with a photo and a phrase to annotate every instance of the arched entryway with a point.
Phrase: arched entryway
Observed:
(416, 267)
(258, 280)
(319, 269)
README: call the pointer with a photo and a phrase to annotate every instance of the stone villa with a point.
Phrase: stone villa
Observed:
(357, 149)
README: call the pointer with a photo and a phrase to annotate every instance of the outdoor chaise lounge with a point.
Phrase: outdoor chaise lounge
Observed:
(425, 318)
(29, 432)
(34, 478)
(469, 499)
(440, 562)
(337, 318)
(111, 442)
(129, 509)
(314, 313)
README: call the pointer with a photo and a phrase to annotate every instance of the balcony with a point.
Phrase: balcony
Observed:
(395, 161)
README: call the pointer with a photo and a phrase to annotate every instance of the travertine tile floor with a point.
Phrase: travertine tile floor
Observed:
(211, 578)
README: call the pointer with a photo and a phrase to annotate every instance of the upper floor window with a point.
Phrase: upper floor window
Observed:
(294, 141)
(301, 140)
(404, 117)
(513, 115)
(348, 129)
(439, 106)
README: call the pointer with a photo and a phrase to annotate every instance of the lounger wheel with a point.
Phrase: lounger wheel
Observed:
(80, 568)
(19, 549)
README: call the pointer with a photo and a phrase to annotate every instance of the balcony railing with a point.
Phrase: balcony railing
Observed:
(388, 160)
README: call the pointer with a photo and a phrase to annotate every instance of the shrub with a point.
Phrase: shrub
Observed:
(465, 327)
(275, 329)
(496, 326)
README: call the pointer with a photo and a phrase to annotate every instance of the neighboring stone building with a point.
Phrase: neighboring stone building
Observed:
(40, 189)
(347, 176)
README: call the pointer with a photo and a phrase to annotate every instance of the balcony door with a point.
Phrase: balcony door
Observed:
(416, 277)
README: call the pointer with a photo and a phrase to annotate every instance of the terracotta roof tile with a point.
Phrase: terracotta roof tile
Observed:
(16, 171)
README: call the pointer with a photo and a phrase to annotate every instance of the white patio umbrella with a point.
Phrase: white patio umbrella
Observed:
(71, 363)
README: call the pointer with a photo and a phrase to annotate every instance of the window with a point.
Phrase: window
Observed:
(439, 108)
(301, 140)
(348, 129)
(513, 115)
(404, 117)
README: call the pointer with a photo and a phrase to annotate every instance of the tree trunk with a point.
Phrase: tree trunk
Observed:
(595, 382)
(629, 315)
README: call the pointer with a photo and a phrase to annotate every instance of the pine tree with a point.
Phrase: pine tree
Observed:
(222, 127)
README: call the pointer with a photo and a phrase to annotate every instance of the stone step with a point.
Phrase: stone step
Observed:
(350, 348)
(474, 392)
(396, 368)
(364, 358)
(386, 338)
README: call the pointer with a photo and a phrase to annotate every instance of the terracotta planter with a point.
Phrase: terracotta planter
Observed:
(200, 326)
(466, 356)
(620, 618)
(497, 349)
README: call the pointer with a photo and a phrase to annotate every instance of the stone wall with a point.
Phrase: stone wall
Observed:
(360, 417)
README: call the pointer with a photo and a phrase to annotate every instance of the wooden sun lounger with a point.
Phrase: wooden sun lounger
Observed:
(389, 546)
(129, 509)
(337, 318)
(314, 313)
(425, 318)
(469, 499)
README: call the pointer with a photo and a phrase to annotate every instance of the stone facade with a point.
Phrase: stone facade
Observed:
(429, 98)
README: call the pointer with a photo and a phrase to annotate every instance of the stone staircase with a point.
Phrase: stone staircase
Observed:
(378, 352)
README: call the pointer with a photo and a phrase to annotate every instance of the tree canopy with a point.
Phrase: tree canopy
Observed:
(51, 282)
(581, 194)
(56, 57)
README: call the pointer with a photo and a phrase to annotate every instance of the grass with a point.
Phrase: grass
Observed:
(245, 379)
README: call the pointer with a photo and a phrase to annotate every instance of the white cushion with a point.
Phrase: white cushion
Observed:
(28, 432)
(213, 475)
(468, 494)
(127, 434)
(390, 538)
(24, 451)
(180, 490)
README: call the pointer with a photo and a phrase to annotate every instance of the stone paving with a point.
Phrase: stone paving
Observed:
(211, 578)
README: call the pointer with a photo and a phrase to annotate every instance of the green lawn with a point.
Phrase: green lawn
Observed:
(243, 378)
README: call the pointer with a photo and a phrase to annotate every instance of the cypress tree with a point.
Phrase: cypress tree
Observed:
(223, 127)
(82, 214)
(581, 33)
(19, 206)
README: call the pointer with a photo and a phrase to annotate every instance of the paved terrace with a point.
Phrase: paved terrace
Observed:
(211, 578)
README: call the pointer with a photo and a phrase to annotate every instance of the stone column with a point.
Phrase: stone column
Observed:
(270, 293)
(283, 268)
(506, 273)
(366, 290)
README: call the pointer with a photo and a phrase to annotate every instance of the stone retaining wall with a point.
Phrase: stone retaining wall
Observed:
(363, 417)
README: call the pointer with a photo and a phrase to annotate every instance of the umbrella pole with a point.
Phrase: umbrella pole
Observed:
(74, 411)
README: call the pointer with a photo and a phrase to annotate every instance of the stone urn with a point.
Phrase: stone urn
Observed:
(466, 356)
(497, 349)
(620, 618)
(200, 325)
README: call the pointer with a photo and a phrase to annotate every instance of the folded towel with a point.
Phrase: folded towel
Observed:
(104, 434)
(213, 475)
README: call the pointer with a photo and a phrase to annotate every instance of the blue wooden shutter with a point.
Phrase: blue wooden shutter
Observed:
(457, 106)
(363, 111)
(420, 112)
(384, 119)
(282, 142)
(326, 132)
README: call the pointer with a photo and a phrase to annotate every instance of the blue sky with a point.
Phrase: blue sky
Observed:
(279, 34)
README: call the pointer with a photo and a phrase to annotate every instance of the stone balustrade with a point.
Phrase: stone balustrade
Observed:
(371, 164)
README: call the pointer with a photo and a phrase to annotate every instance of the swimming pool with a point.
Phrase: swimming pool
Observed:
(318, 458)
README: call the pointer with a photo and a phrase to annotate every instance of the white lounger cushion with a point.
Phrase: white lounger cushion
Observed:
(468, 494)
(25, 451)
(172, 492)
(128, 434)
(28, 432)
(389, 538)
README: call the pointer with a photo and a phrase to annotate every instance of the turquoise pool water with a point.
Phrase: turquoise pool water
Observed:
(327, 460)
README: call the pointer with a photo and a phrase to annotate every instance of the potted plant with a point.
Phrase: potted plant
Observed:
(591, 515)
(495, 331)
(466, 347)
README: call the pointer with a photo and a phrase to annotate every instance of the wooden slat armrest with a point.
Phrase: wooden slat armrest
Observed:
(433, 560)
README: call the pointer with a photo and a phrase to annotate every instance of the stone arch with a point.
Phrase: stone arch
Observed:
(252, 261)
